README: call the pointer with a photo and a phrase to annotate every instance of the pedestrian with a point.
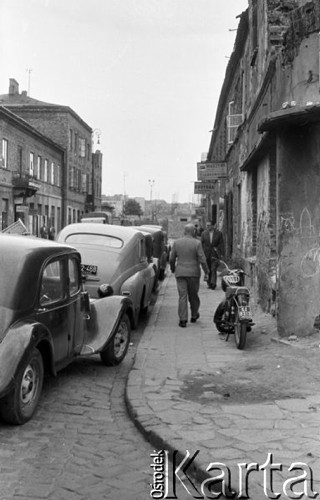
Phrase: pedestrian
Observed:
(213, 247)
(44, 232)
(52, 233)
(185, 259)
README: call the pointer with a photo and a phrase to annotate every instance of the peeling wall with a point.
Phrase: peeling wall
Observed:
(299, 229)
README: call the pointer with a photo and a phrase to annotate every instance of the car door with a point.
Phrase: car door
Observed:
(59, 306)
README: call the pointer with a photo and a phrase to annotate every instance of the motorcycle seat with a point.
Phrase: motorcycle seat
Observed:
(236, 290)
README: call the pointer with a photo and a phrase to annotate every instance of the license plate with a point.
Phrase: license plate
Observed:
(245, 312)
(89, 269)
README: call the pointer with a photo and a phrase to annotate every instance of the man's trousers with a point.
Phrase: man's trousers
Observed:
(188, 289)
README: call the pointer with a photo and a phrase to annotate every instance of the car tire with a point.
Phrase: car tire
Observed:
(117, 348)
(19, 405)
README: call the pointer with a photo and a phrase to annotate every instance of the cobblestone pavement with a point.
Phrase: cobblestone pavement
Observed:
(81, 444)
(191, 390)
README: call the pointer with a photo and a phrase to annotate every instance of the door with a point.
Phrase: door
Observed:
(59, 305)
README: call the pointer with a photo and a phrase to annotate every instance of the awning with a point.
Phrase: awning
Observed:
(291, 116)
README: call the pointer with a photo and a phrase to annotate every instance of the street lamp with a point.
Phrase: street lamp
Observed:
(151, 183)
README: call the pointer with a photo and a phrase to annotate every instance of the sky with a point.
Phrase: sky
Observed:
(145, 75)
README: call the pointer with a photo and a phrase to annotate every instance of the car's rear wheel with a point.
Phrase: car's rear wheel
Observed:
(117, 348)
(18, 406)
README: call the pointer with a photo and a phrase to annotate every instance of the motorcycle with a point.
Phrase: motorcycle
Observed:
(233, 315)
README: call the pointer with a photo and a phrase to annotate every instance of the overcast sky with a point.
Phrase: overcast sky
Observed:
(146, 73)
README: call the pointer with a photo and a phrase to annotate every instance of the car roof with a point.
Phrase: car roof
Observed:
(21, 260)
(126, 233)
(19, 244)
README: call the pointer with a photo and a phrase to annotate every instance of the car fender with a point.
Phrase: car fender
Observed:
(19, 339)
(102, 323)
(133, 288)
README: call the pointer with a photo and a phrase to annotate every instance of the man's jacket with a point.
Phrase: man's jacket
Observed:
(186, 257)
(214, 248)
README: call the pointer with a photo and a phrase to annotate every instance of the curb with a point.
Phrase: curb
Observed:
(148, 424)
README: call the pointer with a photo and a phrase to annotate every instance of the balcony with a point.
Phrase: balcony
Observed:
(24, 184)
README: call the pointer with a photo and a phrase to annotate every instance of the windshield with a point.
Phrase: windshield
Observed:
(94, 240)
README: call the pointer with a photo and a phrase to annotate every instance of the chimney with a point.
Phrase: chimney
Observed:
(13, 87)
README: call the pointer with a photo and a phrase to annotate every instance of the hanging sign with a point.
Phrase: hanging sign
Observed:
(204, 187)
(210, 171)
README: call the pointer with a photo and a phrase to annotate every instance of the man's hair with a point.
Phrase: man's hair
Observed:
(189, 229)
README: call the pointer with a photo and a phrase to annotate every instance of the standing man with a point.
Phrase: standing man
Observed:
(185, 259)
(213, 247)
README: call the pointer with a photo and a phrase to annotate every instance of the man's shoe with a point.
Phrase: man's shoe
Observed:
(193, 320)
(183, 324)
(213, 287)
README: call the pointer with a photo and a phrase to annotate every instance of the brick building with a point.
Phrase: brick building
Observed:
(267, 132)
(81, 169)
(31, 180)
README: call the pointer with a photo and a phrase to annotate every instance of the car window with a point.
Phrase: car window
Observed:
(52, 289)
(74, 281)
(94, 239)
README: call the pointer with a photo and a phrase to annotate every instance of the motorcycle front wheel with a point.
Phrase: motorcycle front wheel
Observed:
(218, 318)
(240, 331)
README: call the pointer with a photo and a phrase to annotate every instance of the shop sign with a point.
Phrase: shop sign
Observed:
(211, 171)
(204, 187)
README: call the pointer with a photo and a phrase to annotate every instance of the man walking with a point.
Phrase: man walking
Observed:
(185, 259)
(213, 247)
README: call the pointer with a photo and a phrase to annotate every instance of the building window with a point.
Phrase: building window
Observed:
(4, 213)
(58, 175)
(233, 122)
(52, 173)
(82, 148)
(46, 168)
(4, 153)
(39, 167)
(20, 158)
(70, 139)
(71, 178)
(84, 183)
(31, 164)
(59, 225)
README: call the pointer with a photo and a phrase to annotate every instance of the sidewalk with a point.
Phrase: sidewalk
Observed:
(191, 390)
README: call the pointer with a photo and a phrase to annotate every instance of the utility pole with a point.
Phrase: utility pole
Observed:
(151, 183)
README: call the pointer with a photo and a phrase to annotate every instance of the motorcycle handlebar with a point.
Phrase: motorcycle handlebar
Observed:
(232, 270)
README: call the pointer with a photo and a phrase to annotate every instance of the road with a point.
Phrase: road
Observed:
(81, 443)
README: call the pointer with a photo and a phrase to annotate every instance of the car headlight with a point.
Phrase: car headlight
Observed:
(105, 290)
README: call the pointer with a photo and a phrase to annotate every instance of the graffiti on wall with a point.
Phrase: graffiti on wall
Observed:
(310, 262)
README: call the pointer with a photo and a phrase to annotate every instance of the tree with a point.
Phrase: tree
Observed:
(132, 207)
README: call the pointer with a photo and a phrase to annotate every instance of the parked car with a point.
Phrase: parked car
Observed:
(159, 247)
(97, 217)
(48, 319)
(115, 256)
